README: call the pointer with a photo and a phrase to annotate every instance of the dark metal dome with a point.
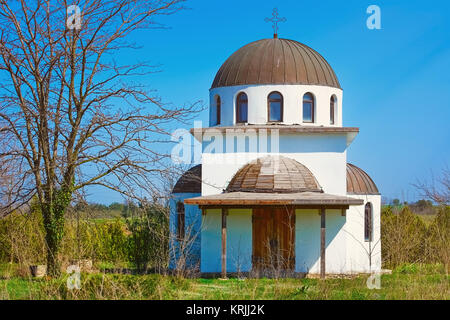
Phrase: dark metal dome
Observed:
(190, 181)
(274, 174)
(275, 61)
(359, 182)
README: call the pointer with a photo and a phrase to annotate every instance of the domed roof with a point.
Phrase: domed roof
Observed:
(359, 182)
(274, 174)
(275, 61)
(190, 181)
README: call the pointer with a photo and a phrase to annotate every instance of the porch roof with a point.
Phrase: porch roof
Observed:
(255, 198)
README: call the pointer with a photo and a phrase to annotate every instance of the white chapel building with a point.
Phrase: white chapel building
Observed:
(274, 190)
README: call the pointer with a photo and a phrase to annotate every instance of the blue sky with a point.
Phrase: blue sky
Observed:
(396, 80)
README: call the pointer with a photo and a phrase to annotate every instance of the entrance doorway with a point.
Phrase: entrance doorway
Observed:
(273, 239)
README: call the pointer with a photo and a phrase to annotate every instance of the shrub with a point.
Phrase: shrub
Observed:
(403, 236)
(22, 238)
(407, 239)
(86, 239)
(111, 241)
(148, 246)
(438, 238)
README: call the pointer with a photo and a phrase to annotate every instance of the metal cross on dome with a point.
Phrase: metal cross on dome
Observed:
(275, 20)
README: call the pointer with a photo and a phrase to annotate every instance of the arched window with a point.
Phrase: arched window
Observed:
(241, 108)
(218, 106)
(332, 108)
(275, 107)
(368, 222)
(180, 220)
(308, 108)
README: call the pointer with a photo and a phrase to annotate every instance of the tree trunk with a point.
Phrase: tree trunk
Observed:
(53, 214)
(53, 263)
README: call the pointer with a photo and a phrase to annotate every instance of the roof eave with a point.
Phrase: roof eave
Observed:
(249, 199)
(350, 132)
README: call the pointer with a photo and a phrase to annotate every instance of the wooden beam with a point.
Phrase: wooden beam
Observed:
(224, 242)
(322, 242)
(338, 207)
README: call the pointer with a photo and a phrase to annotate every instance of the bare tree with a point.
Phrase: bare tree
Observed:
(70, 114)
(10, 183)
(438, 189)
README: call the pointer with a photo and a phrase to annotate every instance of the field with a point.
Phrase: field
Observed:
(415, 248)
(406, 282)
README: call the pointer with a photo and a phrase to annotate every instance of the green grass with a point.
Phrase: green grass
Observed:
(395, 286)
(407, 282)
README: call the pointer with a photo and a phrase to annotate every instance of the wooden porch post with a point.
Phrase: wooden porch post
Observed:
(322, 242)
(224, 242)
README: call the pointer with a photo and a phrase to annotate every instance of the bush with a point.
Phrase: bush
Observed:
(149, 239)
(141, 240)
(105, 241)
(438, 238)
(22, 238)
(403, 237)
(406, 239)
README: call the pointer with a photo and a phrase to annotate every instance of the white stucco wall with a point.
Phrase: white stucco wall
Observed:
(293, 103)
(307, 241)
(239, 241)
(193, 222)
(211, 241)
(359, 250)
(324, 155)
(346, 250)
(344, 240)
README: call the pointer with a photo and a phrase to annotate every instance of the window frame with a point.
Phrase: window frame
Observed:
(181, 220)
(333, 103)
(313, 107)
(368, 222)
(218, 109)
(281, 100)
(238, 106)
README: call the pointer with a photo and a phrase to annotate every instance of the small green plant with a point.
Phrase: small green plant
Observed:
(407, 269)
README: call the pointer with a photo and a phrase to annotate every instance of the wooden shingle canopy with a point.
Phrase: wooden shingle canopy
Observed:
(274, 174)
(359, 182)
(275, 61)
(300, 199)
(190, 181)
